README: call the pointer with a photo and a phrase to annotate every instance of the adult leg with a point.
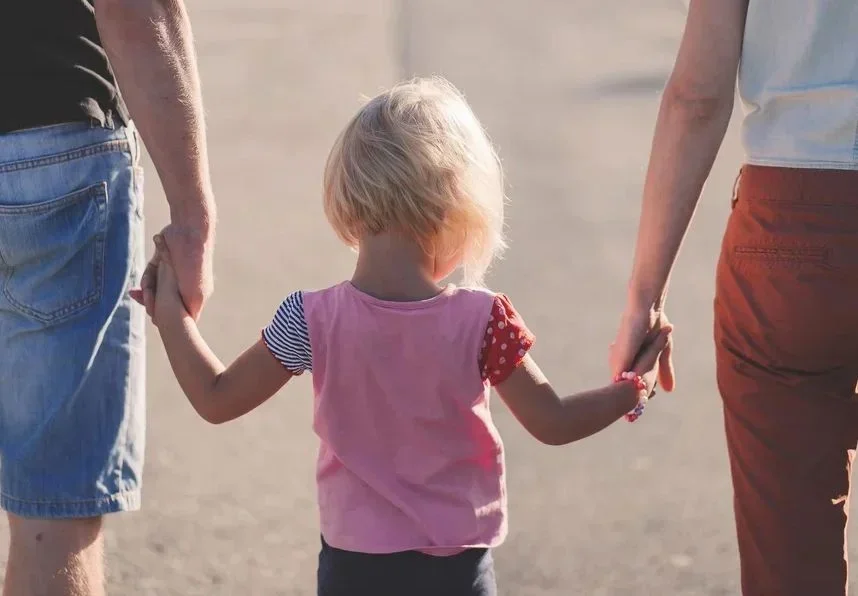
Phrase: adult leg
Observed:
(787, 355)
(55, 557)
(791, 459)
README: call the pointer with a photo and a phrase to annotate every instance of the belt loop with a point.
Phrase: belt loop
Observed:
(133, 142)
(138, 144)
(735, 198)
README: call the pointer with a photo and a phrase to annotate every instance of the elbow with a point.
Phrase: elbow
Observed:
(697, 102)
(211, 415)
(553, 441)
(560, 432)
(215, 418)
(128, 12)
(136, 5)
(553, 437)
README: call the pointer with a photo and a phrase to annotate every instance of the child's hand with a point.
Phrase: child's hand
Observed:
(646, 362)
(168, 300)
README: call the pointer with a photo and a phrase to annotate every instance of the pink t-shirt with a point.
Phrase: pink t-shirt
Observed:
(409, 457)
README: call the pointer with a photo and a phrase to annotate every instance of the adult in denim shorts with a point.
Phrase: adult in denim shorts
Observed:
(72, 403)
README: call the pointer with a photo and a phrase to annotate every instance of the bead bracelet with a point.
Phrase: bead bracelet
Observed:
(640, 384)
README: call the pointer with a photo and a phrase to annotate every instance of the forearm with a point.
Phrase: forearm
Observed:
(689, 131)
(586, 413)
(150, 46)
(557, 420)
(194, 364)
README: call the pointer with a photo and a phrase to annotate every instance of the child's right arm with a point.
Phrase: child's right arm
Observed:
(556, 420)
(217, 392)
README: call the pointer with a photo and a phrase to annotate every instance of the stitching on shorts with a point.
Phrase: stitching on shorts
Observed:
(791, 254)
(111, 497)
(77, 196)
(810, 205)
(88, 151)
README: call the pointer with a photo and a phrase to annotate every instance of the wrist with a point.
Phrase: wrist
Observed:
(198, 216)
(198, 228)
(636, 393)
(171, 316)
(641, 299)
(631, 395)
(643, 295)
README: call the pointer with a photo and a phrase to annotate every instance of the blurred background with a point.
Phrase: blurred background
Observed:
(569, 92)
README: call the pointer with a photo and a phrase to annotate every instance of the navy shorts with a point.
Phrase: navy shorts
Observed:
(345, 573)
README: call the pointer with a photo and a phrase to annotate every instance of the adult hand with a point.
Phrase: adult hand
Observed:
(646, 363)
(635, 326)
(190, 248)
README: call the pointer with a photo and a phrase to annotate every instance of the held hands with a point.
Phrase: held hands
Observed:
(647, 361)
(162, 296)
(633, 342)
(190, 247)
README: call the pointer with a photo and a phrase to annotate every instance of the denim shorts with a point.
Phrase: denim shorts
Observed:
(72, 354)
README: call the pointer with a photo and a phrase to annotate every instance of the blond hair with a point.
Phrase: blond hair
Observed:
(415, 159)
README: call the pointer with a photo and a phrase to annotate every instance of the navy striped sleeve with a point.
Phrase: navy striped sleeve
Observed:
(287, 336)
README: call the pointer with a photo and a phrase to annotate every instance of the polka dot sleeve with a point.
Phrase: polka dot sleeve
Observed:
(507, 341)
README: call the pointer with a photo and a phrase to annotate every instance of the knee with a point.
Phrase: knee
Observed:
(57, 535)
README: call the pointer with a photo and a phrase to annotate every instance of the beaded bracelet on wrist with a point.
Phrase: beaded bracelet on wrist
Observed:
(640, 385)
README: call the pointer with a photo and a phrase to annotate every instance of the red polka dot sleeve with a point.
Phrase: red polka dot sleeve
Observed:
(506, 342)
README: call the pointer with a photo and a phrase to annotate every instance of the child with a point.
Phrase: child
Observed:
(411, 481)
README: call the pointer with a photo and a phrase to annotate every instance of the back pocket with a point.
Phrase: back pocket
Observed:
(53, 253)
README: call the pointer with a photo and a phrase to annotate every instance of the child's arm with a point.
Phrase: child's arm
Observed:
(218, 393)
(558, 420)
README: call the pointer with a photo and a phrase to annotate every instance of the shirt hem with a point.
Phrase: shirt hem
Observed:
(802, 163)
(440, 551)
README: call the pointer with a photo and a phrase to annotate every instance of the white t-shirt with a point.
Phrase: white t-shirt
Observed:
(798, 82)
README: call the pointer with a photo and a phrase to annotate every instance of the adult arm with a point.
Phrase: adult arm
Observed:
(695, 111)
(150, 47)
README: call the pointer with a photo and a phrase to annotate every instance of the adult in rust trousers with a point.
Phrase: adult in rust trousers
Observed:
(786, 306)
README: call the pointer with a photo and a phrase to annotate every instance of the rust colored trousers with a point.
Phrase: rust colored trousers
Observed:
(786, 335)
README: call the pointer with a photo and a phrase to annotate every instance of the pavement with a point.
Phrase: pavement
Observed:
(569, 93)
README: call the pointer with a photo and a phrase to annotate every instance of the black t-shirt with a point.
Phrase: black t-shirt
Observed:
(53, 68)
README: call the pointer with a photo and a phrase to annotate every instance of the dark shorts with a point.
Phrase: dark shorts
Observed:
(345, 573)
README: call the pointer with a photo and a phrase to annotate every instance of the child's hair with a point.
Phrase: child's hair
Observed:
(415, 159)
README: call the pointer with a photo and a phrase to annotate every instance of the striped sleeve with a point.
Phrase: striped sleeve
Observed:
(287, 336)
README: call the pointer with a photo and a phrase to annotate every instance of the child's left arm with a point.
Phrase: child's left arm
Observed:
(218, 393)
(550, 418)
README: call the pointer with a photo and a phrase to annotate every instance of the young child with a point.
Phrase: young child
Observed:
(411, 480)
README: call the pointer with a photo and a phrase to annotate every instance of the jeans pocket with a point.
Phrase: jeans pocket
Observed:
(53, 254)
